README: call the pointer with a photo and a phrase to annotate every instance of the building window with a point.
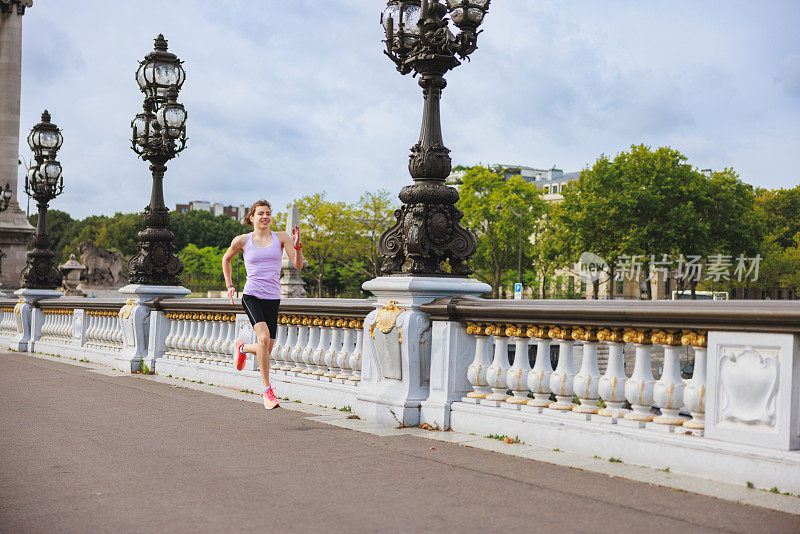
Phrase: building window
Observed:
(620, 287)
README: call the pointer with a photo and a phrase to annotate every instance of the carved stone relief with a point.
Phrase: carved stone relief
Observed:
(748, 381)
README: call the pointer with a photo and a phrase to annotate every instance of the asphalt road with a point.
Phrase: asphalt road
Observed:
(84, 452)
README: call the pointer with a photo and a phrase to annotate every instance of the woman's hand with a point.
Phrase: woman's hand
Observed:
(296, 237)
(231, 293)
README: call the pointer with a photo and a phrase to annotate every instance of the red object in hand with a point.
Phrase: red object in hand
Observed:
(298, 248)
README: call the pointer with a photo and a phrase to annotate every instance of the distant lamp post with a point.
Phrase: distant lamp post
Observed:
(5, 197)
(44, 183)
(159, 134)
(519, 263)
(428, 229)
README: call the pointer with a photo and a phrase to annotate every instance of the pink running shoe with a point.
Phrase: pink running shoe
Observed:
(270, 400)
(240, 356)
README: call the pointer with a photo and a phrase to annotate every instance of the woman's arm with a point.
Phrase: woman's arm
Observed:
(293, 247)
(237, 245)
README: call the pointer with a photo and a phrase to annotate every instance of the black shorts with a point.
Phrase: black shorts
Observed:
(262, 311)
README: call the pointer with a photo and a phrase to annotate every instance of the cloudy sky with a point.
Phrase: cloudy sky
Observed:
(288, 98)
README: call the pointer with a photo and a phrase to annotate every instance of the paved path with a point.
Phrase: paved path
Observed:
(83, 451)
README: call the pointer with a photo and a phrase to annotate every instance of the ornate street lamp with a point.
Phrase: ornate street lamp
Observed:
(428, 231)
(159, 134)
(44, 183)
(5, 197)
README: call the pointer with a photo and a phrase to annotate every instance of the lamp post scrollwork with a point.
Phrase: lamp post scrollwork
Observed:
(159, 134)
(428, 230)
(44, 183)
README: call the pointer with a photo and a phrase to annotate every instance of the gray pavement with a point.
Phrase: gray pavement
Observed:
(89, 451)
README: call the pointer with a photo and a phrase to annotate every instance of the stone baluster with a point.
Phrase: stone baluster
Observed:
(476, 372)
(48, 324)
(213, 343)
(296, 354)
(206, 339)
(639, 387)
(183, 330)
(102, 333)
(563, 378)
(277, 342)
(498, 370)
(324, 342)
(355, 358)
(588, 378)
(197, 335)
(668, 390)
(215, 346)
(91, 322)
(64, 324)
(695, 391)
(517, 375)
(348, 341)
(288, 338)
(173, 329)
(612, 383)
(539, 376)
(117, 329)
(333, 350)
(209, 336)
(291, 330)
(228, 345)
(181, 342)
(311, 344)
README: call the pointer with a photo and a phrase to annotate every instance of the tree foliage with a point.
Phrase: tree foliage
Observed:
(487, 200)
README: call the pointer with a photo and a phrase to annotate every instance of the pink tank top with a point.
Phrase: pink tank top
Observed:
(263, 266)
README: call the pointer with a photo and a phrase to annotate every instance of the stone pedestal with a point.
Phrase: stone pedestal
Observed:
(136, 332)
(15, 231)
(753, 389)
(30, 317)
(396, 378)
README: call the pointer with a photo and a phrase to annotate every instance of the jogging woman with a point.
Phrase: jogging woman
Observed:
(263, 250)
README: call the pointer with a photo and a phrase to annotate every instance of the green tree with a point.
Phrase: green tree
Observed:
(204, 229)
(202, 268)
(371, 216)
(324, 225)
(497, 230)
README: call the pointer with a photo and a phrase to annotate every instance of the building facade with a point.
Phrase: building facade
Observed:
(236, 213)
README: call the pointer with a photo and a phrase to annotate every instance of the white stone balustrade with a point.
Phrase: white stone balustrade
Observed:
(57, 325)
(104, 329)
(207, 337)
(8, 321)
(601, 398)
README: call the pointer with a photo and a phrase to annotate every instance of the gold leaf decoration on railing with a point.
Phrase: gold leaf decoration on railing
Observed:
(580, 333)
(610, 335)
(694, 339)
(666, 337)
(637, 335)
(560, 332)
(511, 330)
(387, 317)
